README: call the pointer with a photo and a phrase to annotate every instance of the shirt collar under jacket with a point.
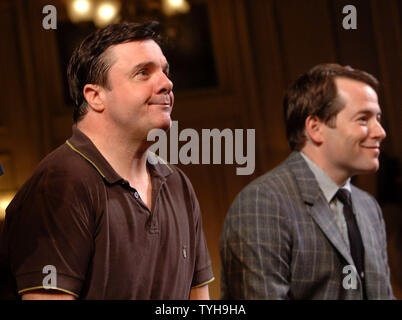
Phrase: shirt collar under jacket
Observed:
(326, 184)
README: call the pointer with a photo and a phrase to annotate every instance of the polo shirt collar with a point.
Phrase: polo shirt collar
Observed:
(158, 166)
(82, 145)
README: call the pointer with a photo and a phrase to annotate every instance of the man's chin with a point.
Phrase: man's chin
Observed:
(164, 124)
(167, 125)
(368, 168)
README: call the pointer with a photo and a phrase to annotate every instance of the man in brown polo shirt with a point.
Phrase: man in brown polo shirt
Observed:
(97, 220)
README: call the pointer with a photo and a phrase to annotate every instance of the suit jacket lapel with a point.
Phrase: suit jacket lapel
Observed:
(325, 218)
(376, 283)
(363, 224)
(316, 203)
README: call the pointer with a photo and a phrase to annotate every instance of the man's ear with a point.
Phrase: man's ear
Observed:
(314, 129)
(93, 96)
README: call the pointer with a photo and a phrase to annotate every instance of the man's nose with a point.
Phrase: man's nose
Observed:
(165, 85)
(378, 131)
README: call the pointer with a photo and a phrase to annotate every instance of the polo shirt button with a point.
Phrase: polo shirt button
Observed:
(136, 195)
(362, 275)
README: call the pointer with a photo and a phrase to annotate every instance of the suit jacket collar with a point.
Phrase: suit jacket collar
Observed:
(316, 202)
(327, 185)
(308, 186)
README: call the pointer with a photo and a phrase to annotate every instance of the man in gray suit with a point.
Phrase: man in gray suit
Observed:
(302, 230)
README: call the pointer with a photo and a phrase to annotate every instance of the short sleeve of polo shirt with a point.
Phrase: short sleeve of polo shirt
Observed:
(203, 271)
(49, 232)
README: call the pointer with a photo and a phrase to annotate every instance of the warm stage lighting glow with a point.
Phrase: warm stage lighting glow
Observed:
(5, 199)
(176, 3)
(79, 10)
(106, 13)
(171, 7)
(81, 6)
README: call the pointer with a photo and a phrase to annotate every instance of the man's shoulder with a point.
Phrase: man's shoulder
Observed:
(61, 168)
(277, 180)
(360, 192)
(61, 177)
(363, 197)
(271, 192)
(282, 190)
(63, 160)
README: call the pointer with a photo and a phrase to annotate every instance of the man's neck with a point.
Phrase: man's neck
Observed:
(127, 157)
(337, 175)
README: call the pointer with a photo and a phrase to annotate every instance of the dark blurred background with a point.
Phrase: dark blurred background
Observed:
(231, 62)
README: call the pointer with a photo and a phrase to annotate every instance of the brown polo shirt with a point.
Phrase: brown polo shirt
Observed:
(78, 215)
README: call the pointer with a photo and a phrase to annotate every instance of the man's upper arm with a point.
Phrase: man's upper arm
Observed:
(203, 274)
(47, 295)
(255, 247)
(199, 293)
(49, 243)
(383, 236)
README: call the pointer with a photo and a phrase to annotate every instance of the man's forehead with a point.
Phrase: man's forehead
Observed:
(135, 50)
(351, 89)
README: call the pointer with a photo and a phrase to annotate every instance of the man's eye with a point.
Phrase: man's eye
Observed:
(362, 119)
(142, 73)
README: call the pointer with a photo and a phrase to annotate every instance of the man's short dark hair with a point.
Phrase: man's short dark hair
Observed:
(90, 64)
(315, 94)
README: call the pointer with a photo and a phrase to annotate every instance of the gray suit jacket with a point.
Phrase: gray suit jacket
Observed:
(280, 240)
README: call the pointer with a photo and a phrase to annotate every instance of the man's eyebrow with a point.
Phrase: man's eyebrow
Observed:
(146, 64)
(368, 111)
(140, 66)
(166, 67)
